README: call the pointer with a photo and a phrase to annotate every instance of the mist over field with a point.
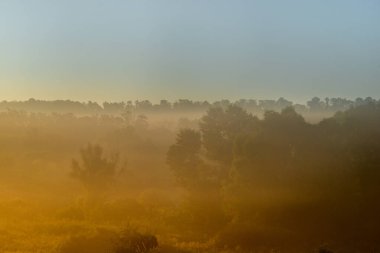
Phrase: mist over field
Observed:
(243, 176)
(192, 126)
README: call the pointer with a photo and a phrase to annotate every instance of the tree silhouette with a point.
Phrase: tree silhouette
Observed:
(183, 157)
(219, 129)
(96, 172)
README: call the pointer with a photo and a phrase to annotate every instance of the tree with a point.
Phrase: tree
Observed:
(96, 172)
(183, 157)
(220, 128)
(315, 104)
(203, 205)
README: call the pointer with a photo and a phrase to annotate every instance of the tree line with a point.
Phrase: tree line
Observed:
(314, 105)
(280, 182)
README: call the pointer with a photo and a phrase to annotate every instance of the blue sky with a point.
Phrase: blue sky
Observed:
(197, 49)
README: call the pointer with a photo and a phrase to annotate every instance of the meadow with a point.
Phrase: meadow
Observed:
(190, 177)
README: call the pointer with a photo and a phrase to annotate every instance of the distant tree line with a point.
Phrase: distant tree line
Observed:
(314, 105)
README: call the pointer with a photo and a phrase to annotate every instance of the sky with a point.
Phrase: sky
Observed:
(118, 50)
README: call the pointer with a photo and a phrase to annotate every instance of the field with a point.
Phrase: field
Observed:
(217, 180)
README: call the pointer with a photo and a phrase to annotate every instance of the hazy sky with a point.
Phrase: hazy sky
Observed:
(198, 49)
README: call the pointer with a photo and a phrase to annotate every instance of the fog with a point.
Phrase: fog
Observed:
(187, 176)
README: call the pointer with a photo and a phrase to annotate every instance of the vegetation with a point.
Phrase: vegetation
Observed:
(313, 109)
(97, 172)
(225, 181)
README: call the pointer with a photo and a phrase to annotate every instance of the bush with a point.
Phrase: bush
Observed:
(106, 241)
(134, 242)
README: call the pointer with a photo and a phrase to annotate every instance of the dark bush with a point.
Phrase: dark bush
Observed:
(134, 242)
(104, 241)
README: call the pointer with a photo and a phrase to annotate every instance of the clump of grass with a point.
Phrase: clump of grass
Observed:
(110, 241)
(131, 241)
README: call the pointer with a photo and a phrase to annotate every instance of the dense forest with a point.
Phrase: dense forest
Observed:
(243, 176)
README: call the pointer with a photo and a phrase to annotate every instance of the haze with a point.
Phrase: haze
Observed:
(189, 126)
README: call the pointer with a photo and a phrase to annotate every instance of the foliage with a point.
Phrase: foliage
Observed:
(183, 157)
(134, 242)
(276, 183)
(219, 129)
(96, 172)
(285, 173)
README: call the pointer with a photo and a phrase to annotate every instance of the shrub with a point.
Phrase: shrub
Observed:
(134, 242)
